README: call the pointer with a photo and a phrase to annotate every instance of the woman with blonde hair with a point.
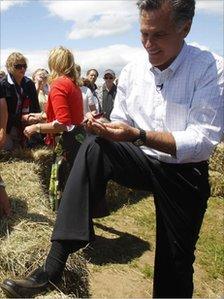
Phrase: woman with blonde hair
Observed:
(40, 79)
(21, 98)
(64, 114)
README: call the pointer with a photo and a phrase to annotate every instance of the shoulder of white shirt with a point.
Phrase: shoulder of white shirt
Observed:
(199, 56)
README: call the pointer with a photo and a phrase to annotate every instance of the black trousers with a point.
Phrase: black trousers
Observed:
(180, 195)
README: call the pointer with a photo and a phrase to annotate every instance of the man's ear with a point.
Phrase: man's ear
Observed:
(186, 28)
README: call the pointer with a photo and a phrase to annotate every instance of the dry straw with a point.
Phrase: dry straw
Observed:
(24, 238)
(216, 166)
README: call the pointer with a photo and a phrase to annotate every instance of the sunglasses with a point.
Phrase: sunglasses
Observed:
(108, 78)
(20, 66)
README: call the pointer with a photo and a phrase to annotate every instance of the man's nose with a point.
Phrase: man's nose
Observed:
(149, 42)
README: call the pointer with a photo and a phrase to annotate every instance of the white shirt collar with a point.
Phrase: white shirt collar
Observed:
(9, 79)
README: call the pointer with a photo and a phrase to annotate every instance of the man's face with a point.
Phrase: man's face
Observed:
(109, 80)
(92, 77)
(161, 37)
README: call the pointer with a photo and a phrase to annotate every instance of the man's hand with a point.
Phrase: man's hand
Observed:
(115, 131)
(91, 117)
(5, 208)
(119, 131)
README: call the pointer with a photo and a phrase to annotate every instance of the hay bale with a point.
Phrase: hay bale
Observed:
(25, 237)
(44, 158)
(216, 180)
(216, 171)
(116, 191)
(216, 162)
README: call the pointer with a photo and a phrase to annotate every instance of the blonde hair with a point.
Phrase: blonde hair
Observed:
(61, 62)
(14, 58)
(79, 80)
(43, 71)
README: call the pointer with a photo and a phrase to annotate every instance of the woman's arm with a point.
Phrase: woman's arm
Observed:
(45, 128)
(3, 120)
(34, 118)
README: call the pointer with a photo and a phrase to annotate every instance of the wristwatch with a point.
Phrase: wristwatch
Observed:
(141, 139)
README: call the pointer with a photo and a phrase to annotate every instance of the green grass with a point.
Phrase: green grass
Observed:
(125, 240)
(210, 244)
(147, 270)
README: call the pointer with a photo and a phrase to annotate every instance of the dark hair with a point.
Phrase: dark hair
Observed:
(92, 70)
(183, 10)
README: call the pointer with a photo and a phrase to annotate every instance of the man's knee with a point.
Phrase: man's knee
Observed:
(91, 148)
(94, 142)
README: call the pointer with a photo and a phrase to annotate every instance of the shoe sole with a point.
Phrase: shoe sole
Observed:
(10, 293)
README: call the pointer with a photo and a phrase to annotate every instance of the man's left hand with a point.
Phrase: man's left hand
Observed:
(115, 131)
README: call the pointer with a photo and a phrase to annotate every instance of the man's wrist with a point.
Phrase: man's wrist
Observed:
(136, 134)
(140, 140)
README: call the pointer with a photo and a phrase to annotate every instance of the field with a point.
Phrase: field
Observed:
(119, 264)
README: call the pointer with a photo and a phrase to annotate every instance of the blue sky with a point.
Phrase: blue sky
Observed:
(101, 34)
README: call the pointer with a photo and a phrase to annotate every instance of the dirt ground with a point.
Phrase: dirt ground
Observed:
(120, 261)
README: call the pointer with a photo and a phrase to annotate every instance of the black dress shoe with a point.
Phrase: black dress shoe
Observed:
(36, 283)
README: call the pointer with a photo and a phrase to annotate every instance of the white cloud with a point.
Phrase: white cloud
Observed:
(6, 4)
(196, 44)
(210, 6)
(98, 18)
(114, 57)
(36, 59)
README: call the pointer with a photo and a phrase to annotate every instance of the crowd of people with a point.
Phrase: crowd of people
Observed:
(27, 98)
(48, 108)
(159, 126)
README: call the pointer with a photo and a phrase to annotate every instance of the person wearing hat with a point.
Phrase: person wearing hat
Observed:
(107, 93)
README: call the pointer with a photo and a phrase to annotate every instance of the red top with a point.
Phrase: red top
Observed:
(65, 102)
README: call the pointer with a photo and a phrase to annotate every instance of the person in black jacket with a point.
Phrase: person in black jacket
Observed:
(4, 199)
(21, 97)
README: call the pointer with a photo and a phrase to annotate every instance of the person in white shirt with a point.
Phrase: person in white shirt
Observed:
(90, 82)
(167, 118)
(87, 95)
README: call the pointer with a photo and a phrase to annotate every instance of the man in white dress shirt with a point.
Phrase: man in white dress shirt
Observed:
(167, 118)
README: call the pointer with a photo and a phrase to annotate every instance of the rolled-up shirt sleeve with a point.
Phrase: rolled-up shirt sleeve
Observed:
(205, 119)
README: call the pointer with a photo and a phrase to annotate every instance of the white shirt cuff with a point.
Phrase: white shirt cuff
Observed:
(69, 128)
(186, 143)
